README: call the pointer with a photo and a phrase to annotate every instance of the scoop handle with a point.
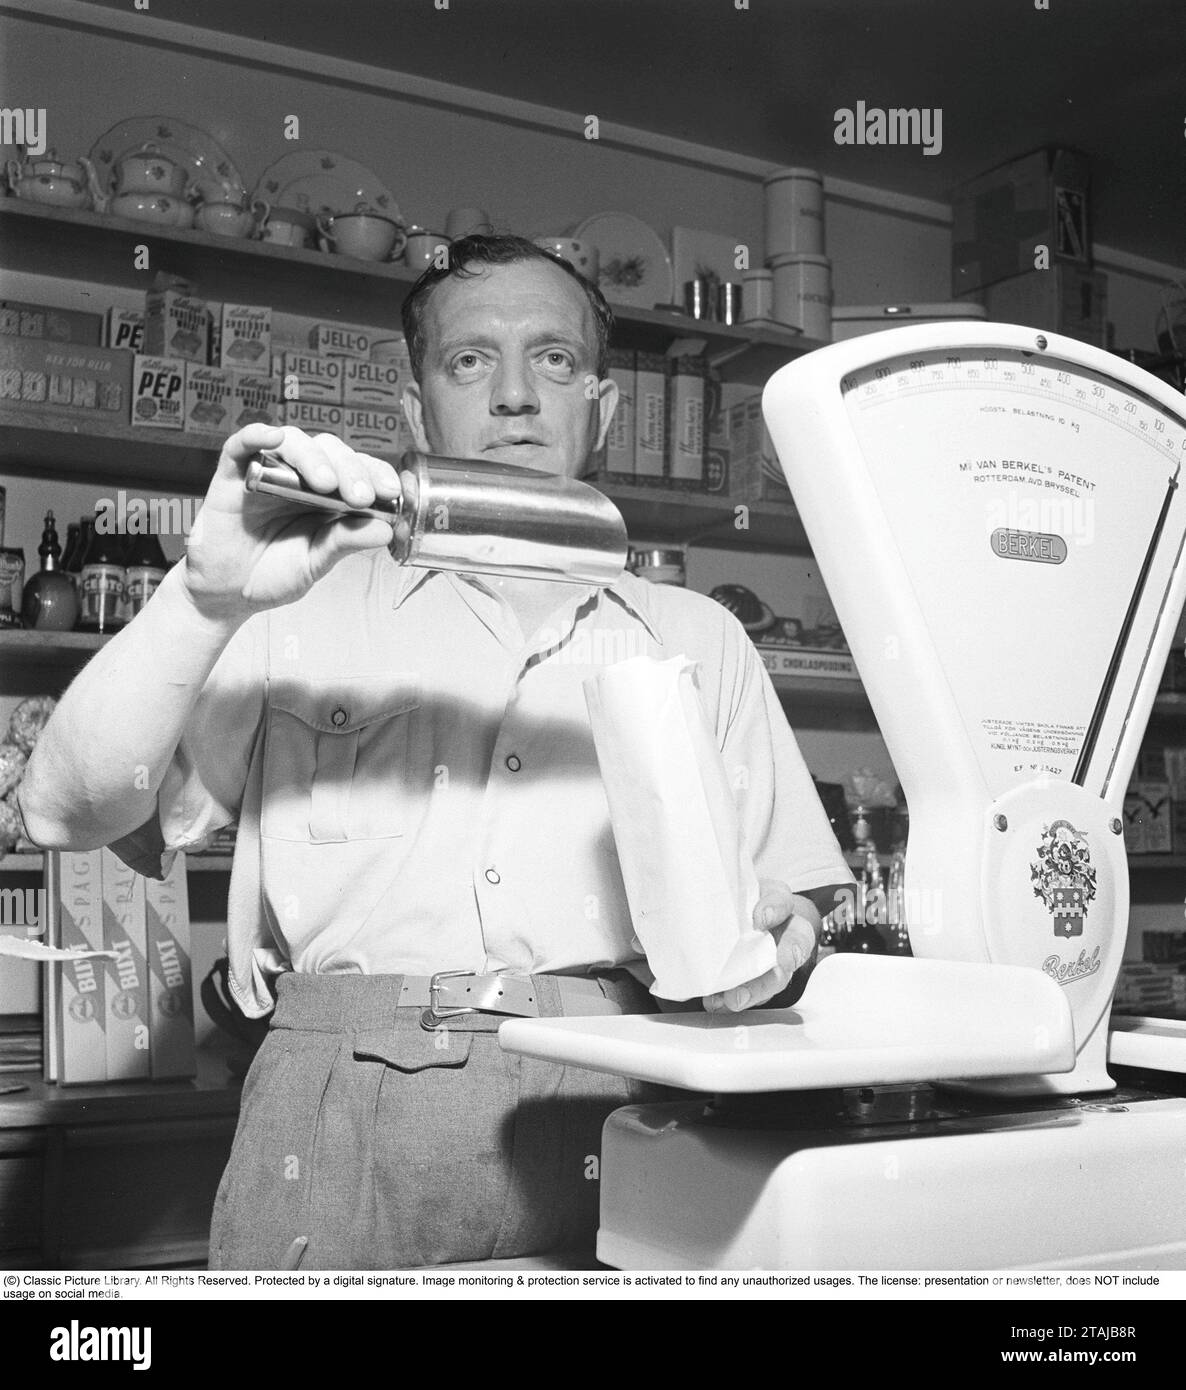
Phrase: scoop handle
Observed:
(270, 474)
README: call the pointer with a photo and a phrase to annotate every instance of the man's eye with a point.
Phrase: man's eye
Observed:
(466, 362)
(558, 360)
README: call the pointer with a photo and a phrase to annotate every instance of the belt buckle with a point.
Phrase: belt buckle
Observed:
(434, 1015)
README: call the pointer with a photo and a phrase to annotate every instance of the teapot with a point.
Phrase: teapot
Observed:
(147, 170)
(59, 183)
(232, 217)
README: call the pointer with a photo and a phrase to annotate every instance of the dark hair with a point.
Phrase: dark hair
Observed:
(473, 251)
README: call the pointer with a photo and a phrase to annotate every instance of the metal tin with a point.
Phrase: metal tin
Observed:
(481, 517)
(729, 302)
(659, 565)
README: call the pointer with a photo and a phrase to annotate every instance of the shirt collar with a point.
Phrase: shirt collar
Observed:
(635, 595)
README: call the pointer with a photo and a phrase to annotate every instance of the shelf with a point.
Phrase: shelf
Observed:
(1170, 704)
(38, 240)
(34, 863)
(656, 513)
(1136, 862)
(19, 647)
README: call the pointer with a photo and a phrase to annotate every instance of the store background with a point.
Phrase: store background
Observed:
(689, 123)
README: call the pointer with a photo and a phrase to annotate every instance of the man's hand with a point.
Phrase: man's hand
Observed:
(250, 551)
(795, 923)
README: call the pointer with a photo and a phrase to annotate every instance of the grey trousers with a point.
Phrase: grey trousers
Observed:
(388, 1146)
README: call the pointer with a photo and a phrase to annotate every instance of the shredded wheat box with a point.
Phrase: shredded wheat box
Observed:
(80, 1019)
(124, 932)
(253, 400)
(209, 398)
(158, 392)
(176, 324)
(650, 415)
(170, 973)
(244, 338)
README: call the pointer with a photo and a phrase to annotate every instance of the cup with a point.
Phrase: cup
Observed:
(583, 256)
(757, 295)
(467, 222)
(363, 235)
(287, 227)
(422, 246)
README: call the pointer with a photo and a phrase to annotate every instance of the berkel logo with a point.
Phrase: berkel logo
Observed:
(1067, 972)
(1042, 547)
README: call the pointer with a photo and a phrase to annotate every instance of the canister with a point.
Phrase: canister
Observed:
(803, 294)
(794, 213)
(659, 565)
(757, 295)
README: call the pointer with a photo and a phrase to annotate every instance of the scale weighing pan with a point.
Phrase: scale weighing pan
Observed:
(996, 514)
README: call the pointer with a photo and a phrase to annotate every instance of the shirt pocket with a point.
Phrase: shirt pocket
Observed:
(336, 759)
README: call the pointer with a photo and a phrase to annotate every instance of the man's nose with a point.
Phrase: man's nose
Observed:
(513, 391)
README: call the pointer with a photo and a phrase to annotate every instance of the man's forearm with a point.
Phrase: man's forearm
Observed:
(98, 765)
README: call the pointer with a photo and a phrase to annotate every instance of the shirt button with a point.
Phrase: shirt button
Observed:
(513, 763)
(339, 717)
(492, 876)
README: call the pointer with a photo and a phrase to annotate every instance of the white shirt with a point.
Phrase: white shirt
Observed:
(416, 788)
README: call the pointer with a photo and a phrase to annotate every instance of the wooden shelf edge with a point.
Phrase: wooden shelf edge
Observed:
(34, 863)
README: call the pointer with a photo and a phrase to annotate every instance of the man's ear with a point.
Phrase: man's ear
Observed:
(607, 403)
(414, 415)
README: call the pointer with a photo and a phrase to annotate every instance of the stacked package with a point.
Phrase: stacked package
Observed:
(1151, 987)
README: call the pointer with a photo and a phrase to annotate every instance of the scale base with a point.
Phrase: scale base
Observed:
(941, 1184)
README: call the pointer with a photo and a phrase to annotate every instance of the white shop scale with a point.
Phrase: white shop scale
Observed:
(996, 514)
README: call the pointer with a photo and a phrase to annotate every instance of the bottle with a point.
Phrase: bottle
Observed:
(865, 937)
(897, 906)
(102, 583)
(49, 603)
(145, 566)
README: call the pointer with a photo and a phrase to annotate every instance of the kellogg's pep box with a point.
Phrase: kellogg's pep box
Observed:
(158, 392)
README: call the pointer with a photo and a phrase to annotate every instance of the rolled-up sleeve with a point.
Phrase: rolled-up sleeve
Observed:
(203, 785)
(786, 828)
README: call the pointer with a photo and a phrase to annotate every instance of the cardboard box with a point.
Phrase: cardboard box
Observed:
(176, 323)
(80, 1014)
(314, 417)
(650, 416)
(209, 399)
(1041, 199)
(253, 400)
(158, 392)
(614, 461)
(1147, 818)
(124, 932)
(18, 320)
(685, 422)
(81, 382)
(1064, 299)
(170, 973)
(757, 475)
(374, 431)
(806, 661)
(343, 339)
(373, 383)
(718, 448)
(124, 328)
(244, 338)
(307, 377)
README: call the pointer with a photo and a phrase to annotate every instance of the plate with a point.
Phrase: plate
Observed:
(635, 267)
(210, 169)
(322, 181)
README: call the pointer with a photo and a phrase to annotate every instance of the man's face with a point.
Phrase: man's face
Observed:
(510, 371)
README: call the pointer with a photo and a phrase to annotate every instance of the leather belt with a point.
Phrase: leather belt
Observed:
(451, 993)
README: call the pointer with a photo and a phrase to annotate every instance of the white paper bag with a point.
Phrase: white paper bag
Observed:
(689, 879)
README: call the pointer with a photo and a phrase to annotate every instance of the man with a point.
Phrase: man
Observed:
(409, 760)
